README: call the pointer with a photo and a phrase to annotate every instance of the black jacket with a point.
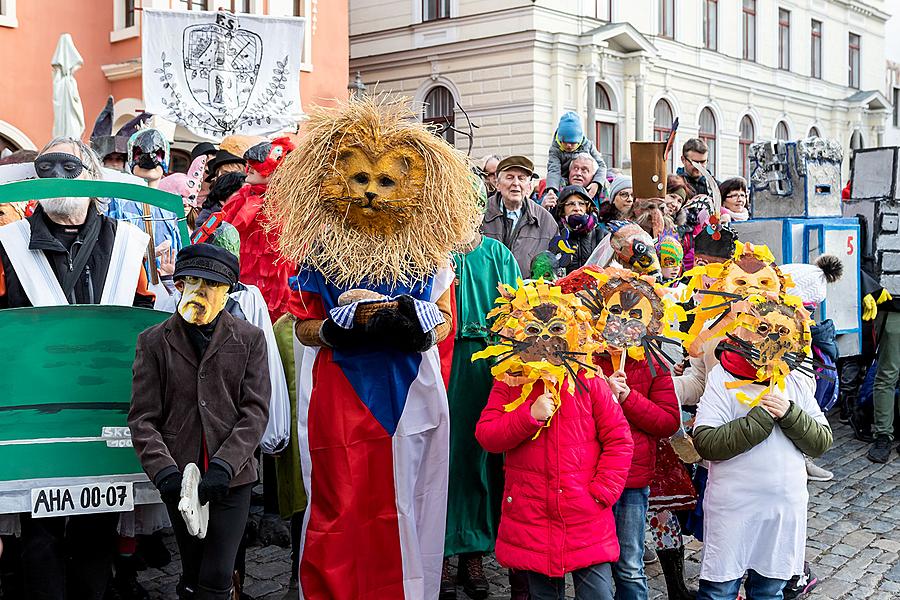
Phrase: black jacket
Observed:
(584, 244)
(698, 184)
(81, 270)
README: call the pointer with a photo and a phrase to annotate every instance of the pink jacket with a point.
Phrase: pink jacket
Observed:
(556, 514)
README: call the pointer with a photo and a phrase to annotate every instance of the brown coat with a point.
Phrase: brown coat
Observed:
(176, 400)
(531, 235)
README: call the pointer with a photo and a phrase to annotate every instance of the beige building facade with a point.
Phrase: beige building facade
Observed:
(732, 71)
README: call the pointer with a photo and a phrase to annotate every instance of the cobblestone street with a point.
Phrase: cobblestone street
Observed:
(853, 545)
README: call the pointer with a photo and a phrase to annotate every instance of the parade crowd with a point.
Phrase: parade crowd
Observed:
(480, 388)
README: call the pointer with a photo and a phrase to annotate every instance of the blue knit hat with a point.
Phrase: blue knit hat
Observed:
(569, 130)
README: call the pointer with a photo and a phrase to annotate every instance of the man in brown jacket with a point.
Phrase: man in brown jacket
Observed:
(200, 395)
(512, 218)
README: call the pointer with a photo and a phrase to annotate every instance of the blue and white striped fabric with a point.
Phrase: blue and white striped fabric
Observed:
(428, 313)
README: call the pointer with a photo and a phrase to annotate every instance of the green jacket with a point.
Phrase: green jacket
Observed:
(291, 493)
(736, 437)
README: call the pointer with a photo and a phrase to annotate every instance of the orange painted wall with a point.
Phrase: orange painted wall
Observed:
(25, 53)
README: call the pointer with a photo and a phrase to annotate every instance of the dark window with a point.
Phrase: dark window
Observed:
(856, 141)
(711, 24)
(815, 51)
(180, 161)
(747, 137)
(667, 18)
(662, 124)
(604, 10)
(781, 131)
(601, 99)
(299, 8)
(240, 6)
(440, 110)
(814, 132)
(896, 107)
(854, 61)
(193, 4)
(784, 39)
(708, 135)
(606, 142)
(8, 144)
(749, 22)
(129, 13)
(435, 9)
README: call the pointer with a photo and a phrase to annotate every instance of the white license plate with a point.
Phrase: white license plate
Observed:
(63, 500)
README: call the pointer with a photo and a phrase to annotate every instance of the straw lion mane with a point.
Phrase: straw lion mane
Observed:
(371, 196)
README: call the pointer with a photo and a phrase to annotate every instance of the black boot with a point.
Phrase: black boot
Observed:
(448, 585)
(672, 563)
(880, 450)
(470, 575)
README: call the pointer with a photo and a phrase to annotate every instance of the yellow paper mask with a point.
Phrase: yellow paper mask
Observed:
(201, 300)
(543, 335)
(633, 314)
(773, 333)
(752, 270)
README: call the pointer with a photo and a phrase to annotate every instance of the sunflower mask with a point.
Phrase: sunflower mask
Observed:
(772, 333)
(543, 335)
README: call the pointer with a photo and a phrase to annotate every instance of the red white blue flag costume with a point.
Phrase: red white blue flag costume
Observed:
(374, 444)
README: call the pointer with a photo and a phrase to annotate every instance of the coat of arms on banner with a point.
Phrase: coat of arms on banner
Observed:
(217, 74)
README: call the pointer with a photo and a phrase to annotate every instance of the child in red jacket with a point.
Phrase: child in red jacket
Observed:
(561, 485)
(651, 408)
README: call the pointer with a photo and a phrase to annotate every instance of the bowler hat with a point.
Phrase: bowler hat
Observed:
(208, 262)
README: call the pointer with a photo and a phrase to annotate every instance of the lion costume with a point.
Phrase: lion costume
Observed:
(370, 206)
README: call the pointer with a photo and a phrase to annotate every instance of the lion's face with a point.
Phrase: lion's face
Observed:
(375, 192)
(544, 335)
(774, 331)
(631, 311)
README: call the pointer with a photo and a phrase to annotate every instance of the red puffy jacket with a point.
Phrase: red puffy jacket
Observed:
(556, 514)
(652, 411)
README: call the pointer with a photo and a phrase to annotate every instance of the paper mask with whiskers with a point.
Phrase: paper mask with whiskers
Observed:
(752, 270)
(542, 334)
(632, 314)
(772, 332)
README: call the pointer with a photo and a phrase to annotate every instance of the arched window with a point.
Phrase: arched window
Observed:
(747, 137)
(606, 125)
(856, 140)
(662, 124)
(601, 98)
(180, 161)
(781, 131)
(814, 132)
(708, 135)
(440, 110)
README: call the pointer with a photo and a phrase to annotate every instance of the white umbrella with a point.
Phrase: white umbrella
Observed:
(68, 115)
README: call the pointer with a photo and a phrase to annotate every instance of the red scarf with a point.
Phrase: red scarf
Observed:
(737, 365)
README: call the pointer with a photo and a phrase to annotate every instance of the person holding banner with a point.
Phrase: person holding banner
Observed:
(62, 254)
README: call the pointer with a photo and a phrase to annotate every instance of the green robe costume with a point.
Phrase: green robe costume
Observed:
(291, 492)
(476, 477)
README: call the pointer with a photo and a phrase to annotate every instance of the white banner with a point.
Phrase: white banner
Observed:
(219, 74)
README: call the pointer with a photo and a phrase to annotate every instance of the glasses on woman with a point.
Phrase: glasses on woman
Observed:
(737, 195)
(576, 203)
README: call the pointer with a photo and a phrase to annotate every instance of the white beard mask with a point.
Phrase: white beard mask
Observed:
(65, 208)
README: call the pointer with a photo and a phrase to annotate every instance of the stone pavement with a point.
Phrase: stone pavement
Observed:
(853, 543)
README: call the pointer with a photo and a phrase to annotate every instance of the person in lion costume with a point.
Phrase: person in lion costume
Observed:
(370, 206)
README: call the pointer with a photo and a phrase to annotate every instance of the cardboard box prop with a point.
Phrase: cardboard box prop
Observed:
(803, 241)
(795, 179)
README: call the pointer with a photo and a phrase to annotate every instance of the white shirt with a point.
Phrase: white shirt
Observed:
(754, 510)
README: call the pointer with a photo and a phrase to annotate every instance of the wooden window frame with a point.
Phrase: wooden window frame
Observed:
(711, 32)
(744, 146)
(815, 49)
(441, 7)
(784, 39)
(854, 52)
(663, 18)
(748, 15)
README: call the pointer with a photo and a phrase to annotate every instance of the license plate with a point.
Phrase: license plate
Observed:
(60, 501)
